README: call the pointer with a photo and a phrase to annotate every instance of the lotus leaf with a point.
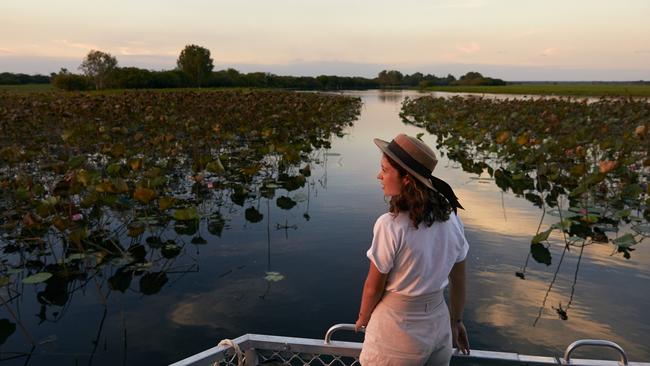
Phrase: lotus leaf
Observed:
(273, 276)
(186, 214)
(144, 195)
(37, 278)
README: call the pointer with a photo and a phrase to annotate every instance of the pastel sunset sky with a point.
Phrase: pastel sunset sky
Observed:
(509, 39)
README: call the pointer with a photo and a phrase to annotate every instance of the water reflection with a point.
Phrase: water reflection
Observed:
(321, 257)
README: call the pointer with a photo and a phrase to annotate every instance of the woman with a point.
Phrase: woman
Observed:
(417, 246)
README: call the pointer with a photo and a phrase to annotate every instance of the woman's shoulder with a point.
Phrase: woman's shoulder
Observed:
(391, 220)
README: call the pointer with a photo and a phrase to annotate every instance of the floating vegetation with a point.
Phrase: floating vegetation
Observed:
(593, 154)
(273, 276)
(117, 186)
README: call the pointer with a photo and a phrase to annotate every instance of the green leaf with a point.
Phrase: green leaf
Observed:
(540, 237)
(273, 276)
(186, 214)
(563, 225)
(170, 250)
(625, 241)
(75, 257)
(215, 166)
(37, 278)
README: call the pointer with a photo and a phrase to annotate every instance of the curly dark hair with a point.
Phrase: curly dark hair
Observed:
(422, 203)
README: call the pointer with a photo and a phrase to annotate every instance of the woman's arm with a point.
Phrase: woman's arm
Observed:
(373, 290)
(457, 299)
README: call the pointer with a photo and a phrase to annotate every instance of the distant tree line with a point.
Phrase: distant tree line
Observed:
(7, 78)
(195, 66)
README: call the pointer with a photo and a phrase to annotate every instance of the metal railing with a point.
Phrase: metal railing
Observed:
(256, 349)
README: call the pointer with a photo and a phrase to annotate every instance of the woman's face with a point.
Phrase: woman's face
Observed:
(389, 177)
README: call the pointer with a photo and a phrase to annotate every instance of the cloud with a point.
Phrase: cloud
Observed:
(468, 48)
(71, 44)
(134, 51)
(551, 51)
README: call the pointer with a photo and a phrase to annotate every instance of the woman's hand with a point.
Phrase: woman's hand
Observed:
(361, 323)
(459, 337)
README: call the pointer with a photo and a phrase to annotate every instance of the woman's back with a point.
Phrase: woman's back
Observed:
(418, 261)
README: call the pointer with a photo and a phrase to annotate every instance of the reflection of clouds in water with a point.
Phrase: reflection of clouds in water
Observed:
(484, 211)
(511, 311)
(227, 306)
(220, 308)
(511, 216)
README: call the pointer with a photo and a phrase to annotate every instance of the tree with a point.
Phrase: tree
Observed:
(98, 66)
(390, 78)
(68, 81)
(196, 63)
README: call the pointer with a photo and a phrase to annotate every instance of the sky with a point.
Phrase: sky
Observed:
(509, 39)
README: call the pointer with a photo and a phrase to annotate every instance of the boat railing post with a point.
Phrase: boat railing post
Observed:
(596, 343)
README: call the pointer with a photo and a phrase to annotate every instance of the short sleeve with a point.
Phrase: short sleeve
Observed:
(462, 242)
(383, 248)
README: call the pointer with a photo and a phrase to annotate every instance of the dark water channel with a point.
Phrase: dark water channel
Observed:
(298, 271)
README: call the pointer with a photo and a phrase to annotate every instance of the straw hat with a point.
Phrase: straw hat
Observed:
(411, 154)
(419, 160)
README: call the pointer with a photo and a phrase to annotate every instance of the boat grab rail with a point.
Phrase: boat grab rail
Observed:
(336, 327)
(594, 343)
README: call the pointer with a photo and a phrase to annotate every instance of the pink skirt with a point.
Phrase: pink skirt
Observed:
(408, 331)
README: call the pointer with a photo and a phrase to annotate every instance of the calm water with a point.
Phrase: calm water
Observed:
(319, 249)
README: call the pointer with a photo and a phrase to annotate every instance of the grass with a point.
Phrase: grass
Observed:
(575, 89)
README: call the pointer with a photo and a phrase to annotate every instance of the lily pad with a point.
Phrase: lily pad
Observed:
(170, 250)
(37, 278)
(273, 276)
(541, 236)
(144, 195)
(186, 214)
(625, 241)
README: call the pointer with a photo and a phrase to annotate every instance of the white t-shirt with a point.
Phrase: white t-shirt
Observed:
(418, 261)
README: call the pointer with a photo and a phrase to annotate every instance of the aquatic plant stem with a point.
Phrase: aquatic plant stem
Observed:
(557, 270)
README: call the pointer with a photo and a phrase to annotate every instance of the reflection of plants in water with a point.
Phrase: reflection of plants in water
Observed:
(591, 156)
(116, 187)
